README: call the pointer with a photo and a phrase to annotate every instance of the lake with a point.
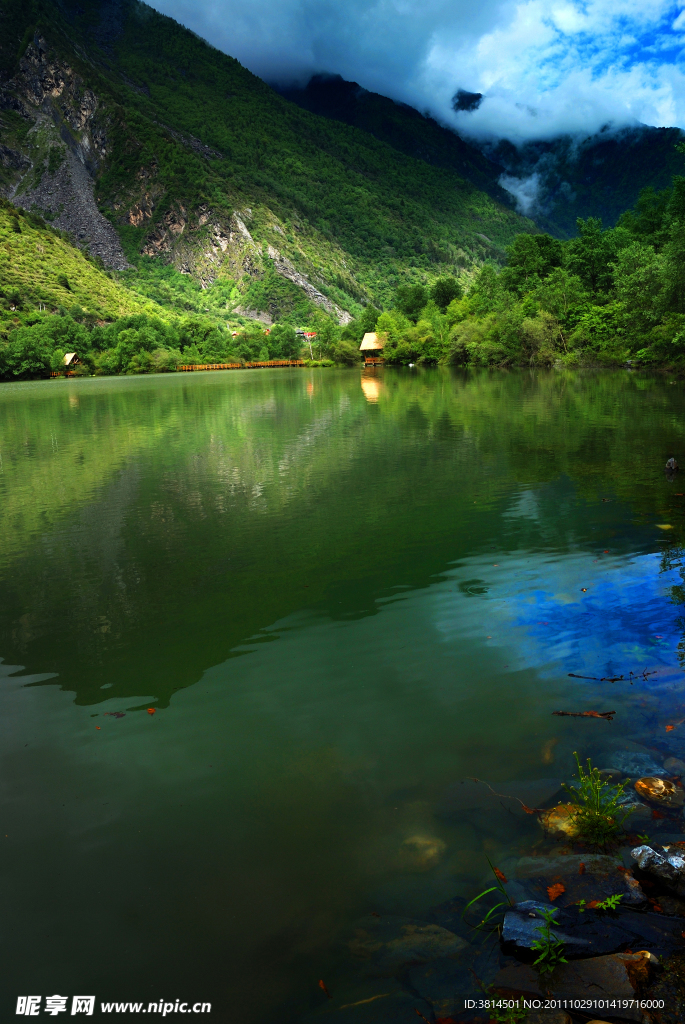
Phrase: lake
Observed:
(256, 627)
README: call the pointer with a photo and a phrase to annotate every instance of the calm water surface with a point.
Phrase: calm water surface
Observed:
(341, 595)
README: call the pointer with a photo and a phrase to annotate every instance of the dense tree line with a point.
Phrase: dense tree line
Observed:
(134, 344)
(606, 296)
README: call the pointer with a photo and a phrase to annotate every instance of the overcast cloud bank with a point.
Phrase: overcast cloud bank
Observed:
(544, 67)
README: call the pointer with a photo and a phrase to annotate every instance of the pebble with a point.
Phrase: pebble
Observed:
(674, 766)
(660, 791)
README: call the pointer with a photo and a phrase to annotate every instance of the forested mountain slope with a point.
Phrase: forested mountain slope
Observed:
(554, 181)
(172, 163)
(598, 176)
(402, 127)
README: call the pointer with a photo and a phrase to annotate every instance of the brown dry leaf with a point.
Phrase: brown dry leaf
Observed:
(499, 875)
(555, 890)
(324, 989)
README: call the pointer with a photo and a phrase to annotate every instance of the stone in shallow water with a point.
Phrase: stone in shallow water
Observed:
(668, 866)
(584, 877)
(559, 819)
(517, 979)
(660, 791)
(604, 977)
(637, 810)
(633, 764)
(592, 932)
(674, 766)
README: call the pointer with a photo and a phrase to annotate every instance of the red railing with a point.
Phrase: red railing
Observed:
(372, 360)
(239, 366)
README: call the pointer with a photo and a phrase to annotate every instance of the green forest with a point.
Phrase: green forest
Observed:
(606, 297)
(251, 211)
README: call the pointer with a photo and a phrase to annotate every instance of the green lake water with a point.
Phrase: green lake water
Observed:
(342, 593)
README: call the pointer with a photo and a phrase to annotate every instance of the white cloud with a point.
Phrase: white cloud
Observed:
(544, 66)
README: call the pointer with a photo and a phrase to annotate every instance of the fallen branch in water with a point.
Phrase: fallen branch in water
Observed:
(608, 716)
(614, 679)
(504, 796)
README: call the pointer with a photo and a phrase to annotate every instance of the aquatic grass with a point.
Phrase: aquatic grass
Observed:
(597, 816)
(492, 917)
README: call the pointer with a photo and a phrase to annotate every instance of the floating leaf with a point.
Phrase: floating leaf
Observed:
(555, 890)
(323, 988)
(151, 711)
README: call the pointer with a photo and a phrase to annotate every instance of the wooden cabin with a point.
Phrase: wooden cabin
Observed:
(372, 347)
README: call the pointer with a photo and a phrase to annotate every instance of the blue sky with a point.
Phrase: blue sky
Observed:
(544, 66)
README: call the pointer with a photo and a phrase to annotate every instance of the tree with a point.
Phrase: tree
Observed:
(444, 291)
(410, 300)
(531, 258)
(590, 254)
(283, 342)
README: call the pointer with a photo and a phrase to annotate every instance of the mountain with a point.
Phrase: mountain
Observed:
(400, 126)
(600, 175)
(201, 188)
(552, 181)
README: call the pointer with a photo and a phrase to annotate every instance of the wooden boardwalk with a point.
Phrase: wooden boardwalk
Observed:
(187, 368)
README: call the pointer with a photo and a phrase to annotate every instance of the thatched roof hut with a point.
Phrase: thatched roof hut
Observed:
(371, 343)
(71, 359)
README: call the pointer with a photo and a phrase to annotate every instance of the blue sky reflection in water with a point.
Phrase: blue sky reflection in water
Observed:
(341, 601)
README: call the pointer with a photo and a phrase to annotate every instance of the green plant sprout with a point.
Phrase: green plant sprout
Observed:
(610, 903)
(508, 1015)
(551, 949)
(597, 817)
(489, 918)
(642, 836)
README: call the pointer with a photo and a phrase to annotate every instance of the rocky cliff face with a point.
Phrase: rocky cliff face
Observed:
(54, 167)
(63, 149)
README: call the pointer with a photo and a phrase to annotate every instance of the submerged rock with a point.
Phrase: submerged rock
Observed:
(387, 945)
(370, 1002)
(674, 766)
(633, 764)
(559, 819)
(637, 810)
(660, 791)
(422, 852)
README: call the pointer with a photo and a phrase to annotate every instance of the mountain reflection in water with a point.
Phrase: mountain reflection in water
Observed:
(341, 601)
